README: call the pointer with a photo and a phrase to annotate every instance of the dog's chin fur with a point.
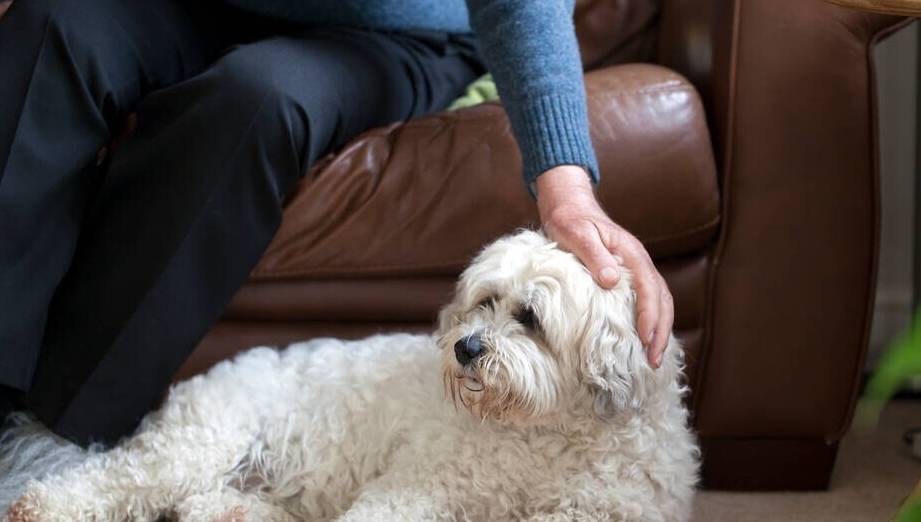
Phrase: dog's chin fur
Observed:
(559, 416)
(515, 382)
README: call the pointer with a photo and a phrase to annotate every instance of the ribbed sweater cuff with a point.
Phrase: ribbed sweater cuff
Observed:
(553, 130)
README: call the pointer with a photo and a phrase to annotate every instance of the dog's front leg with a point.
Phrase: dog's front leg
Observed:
(230, 505)
(141, 480)
(201, 434)
(573, 515)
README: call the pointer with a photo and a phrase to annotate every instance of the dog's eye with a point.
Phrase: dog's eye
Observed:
(526, 318)
(487, 302)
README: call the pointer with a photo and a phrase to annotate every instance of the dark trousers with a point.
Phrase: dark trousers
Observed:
(112, 271)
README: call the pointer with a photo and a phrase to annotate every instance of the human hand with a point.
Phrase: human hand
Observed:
(572, 217)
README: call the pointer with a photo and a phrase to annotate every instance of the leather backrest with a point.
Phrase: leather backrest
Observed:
(616, 31)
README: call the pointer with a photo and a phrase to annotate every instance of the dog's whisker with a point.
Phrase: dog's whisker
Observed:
(454, 393)
(475, 390)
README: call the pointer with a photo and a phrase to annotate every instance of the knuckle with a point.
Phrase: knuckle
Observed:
(646, 289)
(667, 296)
(628, 247)
(582, 234)
(643, 309)
(664, 322)
(649, 308)
(632, 242)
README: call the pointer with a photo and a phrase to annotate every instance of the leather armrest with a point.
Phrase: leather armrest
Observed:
(790, 91)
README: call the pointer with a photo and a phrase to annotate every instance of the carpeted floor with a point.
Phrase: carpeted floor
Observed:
(874, 472)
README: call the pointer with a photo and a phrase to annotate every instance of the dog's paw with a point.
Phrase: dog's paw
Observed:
(22, 511)
(212, 507)
(237, 514)
(42, 503)
(30, 507)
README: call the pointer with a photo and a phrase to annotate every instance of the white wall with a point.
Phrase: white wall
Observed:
(897, 60)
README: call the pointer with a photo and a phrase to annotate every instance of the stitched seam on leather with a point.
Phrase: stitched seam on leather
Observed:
(872, 87)
(699, 393)
(713, 222)
(376, 268)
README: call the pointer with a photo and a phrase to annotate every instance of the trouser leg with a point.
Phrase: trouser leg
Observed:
(192, 200)
(69, 71)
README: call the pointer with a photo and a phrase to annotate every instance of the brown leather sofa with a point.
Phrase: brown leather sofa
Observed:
(742, 151)
(741, 148)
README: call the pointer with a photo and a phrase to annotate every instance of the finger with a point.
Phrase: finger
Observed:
(647, 307)
(665, 323)
(650, 303)
(599, 261)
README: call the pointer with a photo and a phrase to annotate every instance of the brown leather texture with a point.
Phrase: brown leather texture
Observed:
(419, 198)
(616, 31)
(791, 298)
(766, 464)
(277, 313)
(789, 88)
(766, 227)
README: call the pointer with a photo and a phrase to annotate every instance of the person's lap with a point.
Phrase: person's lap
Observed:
(187, 204)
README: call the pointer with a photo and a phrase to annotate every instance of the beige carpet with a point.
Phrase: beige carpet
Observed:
(874, 472)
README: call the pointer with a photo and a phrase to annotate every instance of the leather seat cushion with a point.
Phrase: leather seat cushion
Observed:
(420, 198)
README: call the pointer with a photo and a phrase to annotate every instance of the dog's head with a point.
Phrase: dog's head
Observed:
(530, 337)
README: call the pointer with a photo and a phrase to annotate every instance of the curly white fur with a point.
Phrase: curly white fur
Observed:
(559, 419)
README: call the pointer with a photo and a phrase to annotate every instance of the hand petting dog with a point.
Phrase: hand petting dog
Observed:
(573, 218)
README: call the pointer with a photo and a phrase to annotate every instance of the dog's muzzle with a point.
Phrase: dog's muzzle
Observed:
(468, 349)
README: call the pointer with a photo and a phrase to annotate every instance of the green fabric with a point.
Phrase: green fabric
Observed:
(482, 90)
(901, 361)
(911, 512)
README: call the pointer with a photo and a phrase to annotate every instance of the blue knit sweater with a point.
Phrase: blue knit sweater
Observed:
(528, 45)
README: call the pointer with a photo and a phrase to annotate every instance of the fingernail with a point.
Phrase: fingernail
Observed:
(608, 274)
(659, 360)
(649, 337)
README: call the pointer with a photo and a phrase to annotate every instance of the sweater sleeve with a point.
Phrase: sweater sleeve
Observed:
(530, 48)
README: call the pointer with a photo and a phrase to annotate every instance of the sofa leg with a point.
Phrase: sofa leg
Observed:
(739, 464)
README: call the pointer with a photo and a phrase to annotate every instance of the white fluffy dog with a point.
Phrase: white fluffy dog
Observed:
(552, 413)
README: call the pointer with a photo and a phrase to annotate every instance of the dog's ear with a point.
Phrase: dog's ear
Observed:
(614, 363)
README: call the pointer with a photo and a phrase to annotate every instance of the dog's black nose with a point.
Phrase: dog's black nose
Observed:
(468, 349)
